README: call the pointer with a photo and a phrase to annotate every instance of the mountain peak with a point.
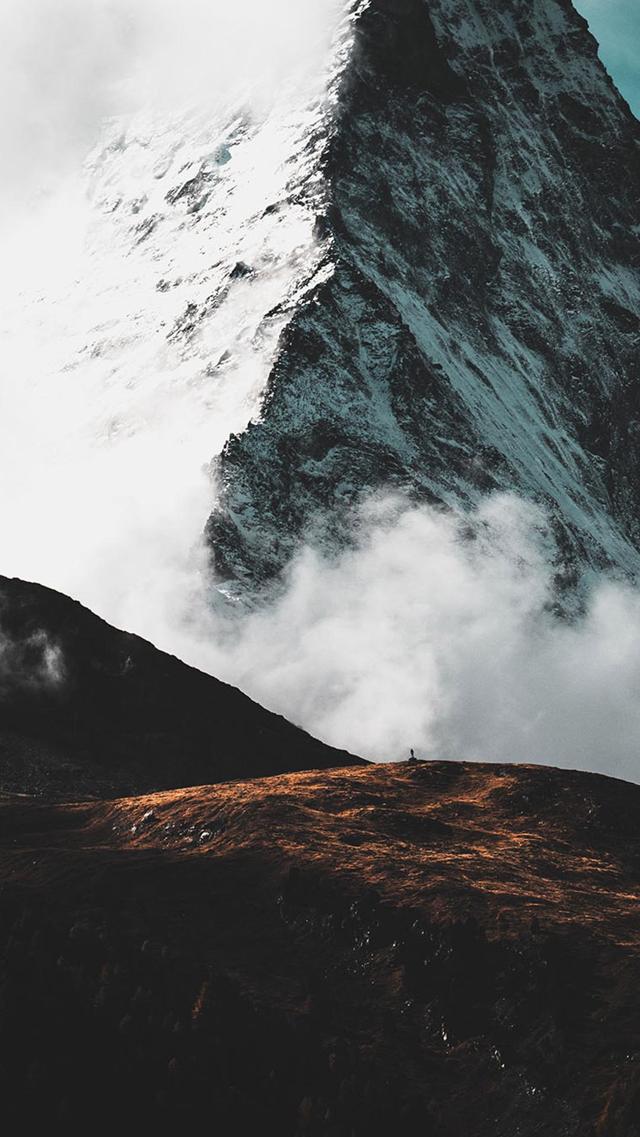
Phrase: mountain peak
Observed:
(479, 327)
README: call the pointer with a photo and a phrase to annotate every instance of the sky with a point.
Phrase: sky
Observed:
(616, 26)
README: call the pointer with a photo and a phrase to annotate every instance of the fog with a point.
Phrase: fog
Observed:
(66, 66)
(437, 631)
(34, 662)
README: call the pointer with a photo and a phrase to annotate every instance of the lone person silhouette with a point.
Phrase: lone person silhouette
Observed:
(412, 758)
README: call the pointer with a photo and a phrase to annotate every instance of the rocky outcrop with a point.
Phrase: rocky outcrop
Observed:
(480, 323)
(87, 710)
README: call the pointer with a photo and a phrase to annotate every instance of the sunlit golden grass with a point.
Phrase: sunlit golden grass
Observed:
(506, 845)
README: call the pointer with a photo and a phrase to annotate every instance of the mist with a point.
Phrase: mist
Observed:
(439, 631)
(34, 662)
(68, 66)
(112, 404)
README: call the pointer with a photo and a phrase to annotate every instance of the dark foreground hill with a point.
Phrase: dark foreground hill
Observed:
(88, 710)
(439, 951)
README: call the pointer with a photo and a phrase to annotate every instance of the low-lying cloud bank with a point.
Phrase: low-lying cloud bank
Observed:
(438, 631)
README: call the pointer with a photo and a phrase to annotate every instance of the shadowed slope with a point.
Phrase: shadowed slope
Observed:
(440, 950)
(86, 709)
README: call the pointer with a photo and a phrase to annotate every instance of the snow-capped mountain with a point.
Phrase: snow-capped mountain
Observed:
(140, 320)
(479, 321)
(414, 268)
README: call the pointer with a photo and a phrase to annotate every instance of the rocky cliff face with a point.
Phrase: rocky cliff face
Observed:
(479, 323)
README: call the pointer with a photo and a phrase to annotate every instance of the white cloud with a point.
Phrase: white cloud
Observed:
(107, 420)
(67, 65)
(33, 662)
(438, 632)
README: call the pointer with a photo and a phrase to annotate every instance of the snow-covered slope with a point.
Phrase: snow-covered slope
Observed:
(140, 318)
(412, 266)
(416, 268)
(478, 321)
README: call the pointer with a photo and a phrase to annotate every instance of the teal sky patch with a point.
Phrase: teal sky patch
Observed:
(616, 26)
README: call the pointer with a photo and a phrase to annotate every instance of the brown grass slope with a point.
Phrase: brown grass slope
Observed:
(448, 950)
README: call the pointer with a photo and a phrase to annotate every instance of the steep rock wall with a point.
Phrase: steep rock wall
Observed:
(480, 324)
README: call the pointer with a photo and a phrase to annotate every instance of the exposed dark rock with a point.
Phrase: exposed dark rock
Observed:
(479, 329)
(88, 710)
